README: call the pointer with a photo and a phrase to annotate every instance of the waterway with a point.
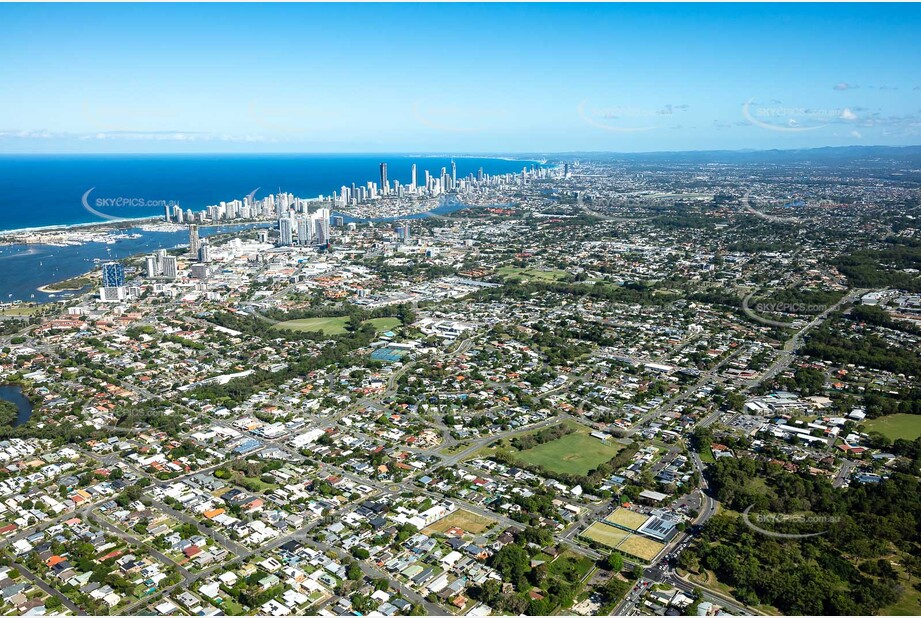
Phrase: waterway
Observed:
(13, 394)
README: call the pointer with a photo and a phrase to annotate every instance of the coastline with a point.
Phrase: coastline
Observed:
(103, 225)
(64, 227)
(46, 289)
(31, 293)
(129, 221)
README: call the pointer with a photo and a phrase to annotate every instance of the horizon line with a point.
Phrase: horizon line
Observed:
(468, 154)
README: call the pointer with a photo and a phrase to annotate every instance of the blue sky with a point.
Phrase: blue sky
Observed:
(456, 78)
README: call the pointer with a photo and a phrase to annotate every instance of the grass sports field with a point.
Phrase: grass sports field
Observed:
(384, 324)
(605, 534)
(625, 518)
(330, 326)
(335, 325)
(465, 520)
(635, 545)
(893, 426)
(575, 453)
(21, 310)
(641, 547)
(531, 273)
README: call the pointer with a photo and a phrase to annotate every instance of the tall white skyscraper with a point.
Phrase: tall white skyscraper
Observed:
(319, 225)
(403, 232)
(285, 233)
(303, 231)
(153, 269)
(413, 182)
(168, 264)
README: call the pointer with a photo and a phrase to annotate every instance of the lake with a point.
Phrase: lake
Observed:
(14, 394)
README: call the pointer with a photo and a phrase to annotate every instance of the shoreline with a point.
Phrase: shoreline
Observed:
(133, 222)
(44, 289)
(78, 291)
(121, 223)
(64, 227)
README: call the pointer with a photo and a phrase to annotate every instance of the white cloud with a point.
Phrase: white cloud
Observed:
(847, 114)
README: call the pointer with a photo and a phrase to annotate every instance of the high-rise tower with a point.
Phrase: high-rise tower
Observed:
(113, 275)
(194, 242)
(285, 232)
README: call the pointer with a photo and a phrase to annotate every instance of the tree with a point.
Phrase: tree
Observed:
(614, 590)
(361, 553)
(8, 413)
(354, 571)
(512, 562)
(614, 562)
(362, 603)
(689, 560)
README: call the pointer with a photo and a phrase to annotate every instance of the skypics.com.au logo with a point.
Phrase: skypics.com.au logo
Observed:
(789, 119)
(101, 204)
(755, 521)
(798, 311)
(629, 118)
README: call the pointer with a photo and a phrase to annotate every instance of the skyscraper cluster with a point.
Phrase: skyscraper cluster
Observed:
(277, 206)
(446, 181)
(159, 264)
(310, 228)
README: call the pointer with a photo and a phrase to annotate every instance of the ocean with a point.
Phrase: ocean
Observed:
(47, 190)
(42, 191)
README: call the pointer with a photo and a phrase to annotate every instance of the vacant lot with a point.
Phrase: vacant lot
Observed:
(605, 534)
(625, 518)
(465, 520)
(641, 547)
(571, 566)
(576, 453)
(893, 426)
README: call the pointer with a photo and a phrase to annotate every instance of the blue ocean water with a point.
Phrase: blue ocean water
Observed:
(45, 190)
(39, 191)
